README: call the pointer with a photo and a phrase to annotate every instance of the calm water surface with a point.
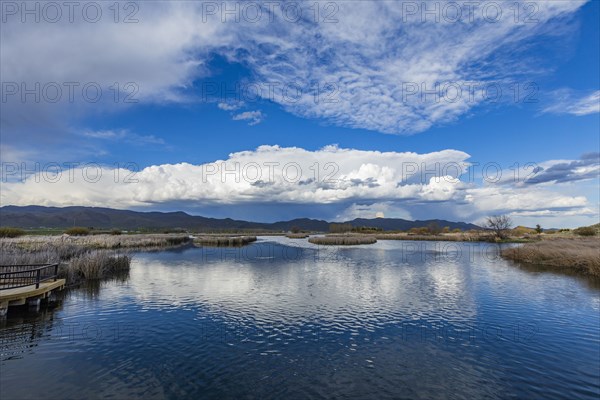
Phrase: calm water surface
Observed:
(285, 319)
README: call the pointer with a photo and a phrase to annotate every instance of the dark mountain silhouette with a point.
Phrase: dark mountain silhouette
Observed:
(108, 218)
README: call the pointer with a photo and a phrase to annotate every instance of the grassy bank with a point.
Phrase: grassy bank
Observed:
(82, 257)
(581, 255)
(449, 237)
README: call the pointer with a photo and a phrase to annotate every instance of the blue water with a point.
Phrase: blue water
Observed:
(282, 318)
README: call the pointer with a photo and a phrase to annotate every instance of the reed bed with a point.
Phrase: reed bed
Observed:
(297, 235)
(342, 240)
(224, 241)
(130, 241)
(82, 257)
(96, 264)
(104, 241)
(581, 255)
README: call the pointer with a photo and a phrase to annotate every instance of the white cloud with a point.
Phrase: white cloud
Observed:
(125, 136)
(230, 106)
(499, 199)
(567, 102)
(267, 174)
(550, 172)
(361, 183)
(584, 211)
(253, 117)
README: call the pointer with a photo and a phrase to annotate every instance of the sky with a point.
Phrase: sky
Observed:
(268, 111)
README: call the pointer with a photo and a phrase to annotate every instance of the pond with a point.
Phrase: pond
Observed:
(282, 318)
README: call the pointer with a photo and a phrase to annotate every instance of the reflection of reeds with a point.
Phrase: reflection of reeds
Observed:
(224, 241)
(581, 255)
(342, 240)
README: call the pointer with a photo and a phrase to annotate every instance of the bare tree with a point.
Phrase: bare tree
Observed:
(500, 224)
(434, 228)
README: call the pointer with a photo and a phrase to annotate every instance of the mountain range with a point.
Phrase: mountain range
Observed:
(107, 218)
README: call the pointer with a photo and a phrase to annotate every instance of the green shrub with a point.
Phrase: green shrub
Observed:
(9, 232)
(78, 231)
(115, 232)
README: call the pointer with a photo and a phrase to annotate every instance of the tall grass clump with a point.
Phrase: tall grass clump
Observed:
(9, 232)
(96, 264)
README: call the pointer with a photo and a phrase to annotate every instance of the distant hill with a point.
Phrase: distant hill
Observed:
(29, 217)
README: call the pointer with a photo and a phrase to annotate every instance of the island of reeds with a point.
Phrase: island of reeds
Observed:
(223, 241)
(293, 235)
(342, 240)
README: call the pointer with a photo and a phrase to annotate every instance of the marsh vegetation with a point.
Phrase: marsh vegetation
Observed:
(580, 255)
(224, 241)
(297, 235)
(343, 240)
(82, 257)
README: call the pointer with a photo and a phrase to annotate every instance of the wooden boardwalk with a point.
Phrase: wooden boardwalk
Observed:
(27, 284)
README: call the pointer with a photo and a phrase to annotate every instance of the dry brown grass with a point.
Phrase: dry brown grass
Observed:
(447, 237)
(297, 235)
(82, 257)
(96, 264)
(582, 255)
(342, 240)
(224, 241)
(105, 241)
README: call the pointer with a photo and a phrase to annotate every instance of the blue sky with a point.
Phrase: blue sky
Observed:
(195, 73)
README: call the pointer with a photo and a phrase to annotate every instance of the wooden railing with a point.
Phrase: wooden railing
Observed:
(15, 276)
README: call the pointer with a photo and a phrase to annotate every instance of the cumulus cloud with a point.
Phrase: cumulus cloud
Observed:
(568, 102)
(253, 117)
(361, 183)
